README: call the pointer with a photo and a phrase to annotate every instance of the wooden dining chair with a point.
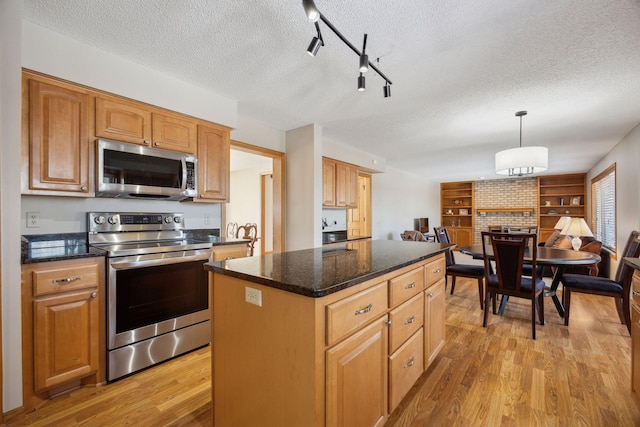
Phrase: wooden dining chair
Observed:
(508, 280)
(462, 270)
(250, 232)
(617, 288)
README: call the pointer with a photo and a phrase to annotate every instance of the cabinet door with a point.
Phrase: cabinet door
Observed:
(352, 180)
(174, 133)
(123, 121)
(328, 182)
(65, 346)
(213, 164)
(635, 349)
(342, 185)
(461, 236)
(433, 322)
(58, 140)
(356, 381)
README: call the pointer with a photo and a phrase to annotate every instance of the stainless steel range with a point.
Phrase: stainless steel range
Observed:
(157, 288)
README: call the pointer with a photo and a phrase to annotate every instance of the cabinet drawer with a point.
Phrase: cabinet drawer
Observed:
(405, 321)
(405, 286)
(635, 288)
(65, 278)
(436, 270)
(221, 253)
(405, 366)
(349, 314)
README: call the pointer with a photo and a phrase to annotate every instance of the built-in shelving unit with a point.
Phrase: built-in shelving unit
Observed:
(560, 195)
(457, 210)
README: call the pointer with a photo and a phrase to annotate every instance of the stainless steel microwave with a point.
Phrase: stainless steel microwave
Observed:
(134, 171)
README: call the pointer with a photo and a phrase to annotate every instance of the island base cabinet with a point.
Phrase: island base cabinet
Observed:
(357, 378)
(405, 367)
(434, 318)
(635, 349)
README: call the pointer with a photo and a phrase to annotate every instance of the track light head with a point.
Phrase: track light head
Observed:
(387, 90)
(311, 10)
(364, 63)
(361, 83)
(314, 46)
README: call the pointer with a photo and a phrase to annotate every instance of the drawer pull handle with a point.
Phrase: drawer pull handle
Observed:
(636, 292)
(364, 310)
(410, 285)
(410, 320)
(437, 270)
(409, 363)
(66, 280)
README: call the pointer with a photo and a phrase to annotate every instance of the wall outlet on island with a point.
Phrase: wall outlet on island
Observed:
(253, 296)
(33, 219)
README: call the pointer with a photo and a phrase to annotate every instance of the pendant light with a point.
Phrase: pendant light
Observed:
(522, 160)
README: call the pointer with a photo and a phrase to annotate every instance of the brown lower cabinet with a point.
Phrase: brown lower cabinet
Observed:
(635, 333)
(63, 327)
(345, 359)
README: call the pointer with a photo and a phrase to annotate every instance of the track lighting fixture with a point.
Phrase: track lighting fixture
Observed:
(316, 42)
(364, 59)
(313, 14)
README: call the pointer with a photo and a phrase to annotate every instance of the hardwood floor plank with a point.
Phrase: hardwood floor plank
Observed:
(575, 376)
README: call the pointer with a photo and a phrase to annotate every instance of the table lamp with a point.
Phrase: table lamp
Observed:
(576, 227)
(564, 220)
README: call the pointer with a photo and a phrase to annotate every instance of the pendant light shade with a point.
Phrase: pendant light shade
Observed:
(522, 160)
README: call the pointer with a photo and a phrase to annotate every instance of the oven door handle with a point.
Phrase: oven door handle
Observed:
(159, 259)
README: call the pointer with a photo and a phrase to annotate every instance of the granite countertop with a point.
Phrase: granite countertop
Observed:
(321, 271)
(61, 246)
(632, 262)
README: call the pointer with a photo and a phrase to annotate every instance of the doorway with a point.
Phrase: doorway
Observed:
(258, 194)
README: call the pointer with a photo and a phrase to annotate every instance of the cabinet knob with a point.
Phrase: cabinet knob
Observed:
(202, 196)
(389, 322)
(430, 295)
(83, 188)
(146, 142)
(636, 292)
(156, 144)
(94, 294)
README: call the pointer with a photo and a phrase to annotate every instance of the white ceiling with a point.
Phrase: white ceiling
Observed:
(460, 70)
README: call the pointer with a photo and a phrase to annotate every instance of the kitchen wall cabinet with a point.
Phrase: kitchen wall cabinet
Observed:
(213, 164)
(359, 350)
(457, 210)
(63, 327)
(56, 150)
(559, 195)
(339, 184)
(62, 120)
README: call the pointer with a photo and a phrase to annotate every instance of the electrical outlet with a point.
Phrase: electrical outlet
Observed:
(253, 296)
(33, 219)
(207, 219)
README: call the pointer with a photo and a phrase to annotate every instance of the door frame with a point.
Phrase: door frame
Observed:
(279, 188)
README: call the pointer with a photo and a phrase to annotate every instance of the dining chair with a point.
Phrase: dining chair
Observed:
(618, 287)
(462, 270)
(508, 280)
(250, 232)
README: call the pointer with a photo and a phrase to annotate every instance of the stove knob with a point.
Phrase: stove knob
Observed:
(113, 220)
(99, 220)
(177, 219)
(167, 219)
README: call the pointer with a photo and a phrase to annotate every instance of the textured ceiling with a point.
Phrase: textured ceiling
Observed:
(460, 70)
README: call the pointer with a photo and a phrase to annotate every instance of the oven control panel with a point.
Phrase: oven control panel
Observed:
(101, 222)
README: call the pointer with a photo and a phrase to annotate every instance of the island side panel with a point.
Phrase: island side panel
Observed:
(263, 358)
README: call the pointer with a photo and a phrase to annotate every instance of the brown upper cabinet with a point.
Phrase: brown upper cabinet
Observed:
(56, 146)
(127, 121)
(339, 184)
(62, 120)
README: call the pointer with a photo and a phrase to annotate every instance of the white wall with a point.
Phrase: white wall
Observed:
(258, 134)
(10, 95)
(626, 156)
(397, 198)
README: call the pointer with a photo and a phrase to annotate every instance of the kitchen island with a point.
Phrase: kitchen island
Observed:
(326, 336)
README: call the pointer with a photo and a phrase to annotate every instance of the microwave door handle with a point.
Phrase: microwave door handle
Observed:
(183, 184)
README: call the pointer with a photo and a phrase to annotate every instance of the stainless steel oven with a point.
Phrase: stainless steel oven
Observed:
(157, 288)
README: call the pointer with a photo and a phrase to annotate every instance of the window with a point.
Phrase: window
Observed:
(603, 207)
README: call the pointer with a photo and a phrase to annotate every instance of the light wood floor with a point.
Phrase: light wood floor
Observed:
(495, 376)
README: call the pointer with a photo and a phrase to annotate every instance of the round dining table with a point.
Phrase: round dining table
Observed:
(559, 258)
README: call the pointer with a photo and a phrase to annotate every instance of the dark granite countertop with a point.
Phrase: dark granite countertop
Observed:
(61, 246)
(322, 271)
(632, 262)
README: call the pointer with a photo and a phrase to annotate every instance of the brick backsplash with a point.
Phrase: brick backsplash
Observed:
(505, 193)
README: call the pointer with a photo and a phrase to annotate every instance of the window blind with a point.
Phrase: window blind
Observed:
(603, 207)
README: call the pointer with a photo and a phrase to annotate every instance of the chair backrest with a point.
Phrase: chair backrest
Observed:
(250, 232)
(442, 236)
(413, 235)
(508, 253)
(631, 249)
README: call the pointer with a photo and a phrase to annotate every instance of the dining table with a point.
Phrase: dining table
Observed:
(554, 257)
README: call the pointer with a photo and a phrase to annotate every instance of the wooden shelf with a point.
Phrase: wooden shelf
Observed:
(530, 210)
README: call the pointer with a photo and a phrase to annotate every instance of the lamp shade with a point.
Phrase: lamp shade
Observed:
(562, 222)
(577, 227)
(522, 161)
